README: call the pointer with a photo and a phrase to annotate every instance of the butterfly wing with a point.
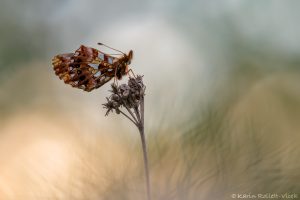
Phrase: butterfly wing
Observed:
(85, 69)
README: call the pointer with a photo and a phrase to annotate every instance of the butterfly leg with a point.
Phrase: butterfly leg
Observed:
(130, 70)
(115, 78)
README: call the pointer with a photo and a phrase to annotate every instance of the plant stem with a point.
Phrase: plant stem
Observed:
(144, 146)
(136, 111)
(128, 109)
(128, 118)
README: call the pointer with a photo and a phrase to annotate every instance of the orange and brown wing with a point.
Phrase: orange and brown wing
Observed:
(85, 69)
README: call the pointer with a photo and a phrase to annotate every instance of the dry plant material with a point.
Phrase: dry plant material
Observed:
(130, 97)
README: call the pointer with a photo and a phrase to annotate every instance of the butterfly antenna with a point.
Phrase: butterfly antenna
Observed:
(115, 54)
(99, 43)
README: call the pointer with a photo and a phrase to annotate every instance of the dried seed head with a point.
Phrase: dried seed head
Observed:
(115, 97)
(128, 95)
(114, 88)
(109, 106)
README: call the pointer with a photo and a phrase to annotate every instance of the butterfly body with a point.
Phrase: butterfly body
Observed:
(89, 68)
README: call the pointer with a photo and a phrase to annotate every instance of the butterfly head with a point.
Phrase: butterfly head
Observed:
(129, 57)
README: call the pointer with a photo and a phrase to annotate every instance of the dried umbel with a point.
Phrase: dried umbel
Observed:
(129, 96)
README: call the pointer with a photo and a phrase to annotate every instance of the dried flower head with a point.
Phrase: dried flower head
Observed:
(131, 97)
(128, 95)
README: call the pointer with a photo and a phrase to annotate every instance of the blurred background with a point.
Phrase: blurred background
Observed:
(222, 100)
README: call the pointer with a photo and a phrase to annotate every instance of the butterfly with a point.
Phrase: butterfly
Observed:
(89, 68)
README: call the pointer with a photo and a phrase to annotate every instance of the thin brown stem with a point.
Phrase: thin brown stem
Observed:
(129, 118)
(142, 110)
(137, 113)
(145, 154)
(128, 109)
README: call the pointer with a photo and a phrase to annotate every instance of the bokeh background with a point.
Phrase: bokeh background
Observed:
(222, 100)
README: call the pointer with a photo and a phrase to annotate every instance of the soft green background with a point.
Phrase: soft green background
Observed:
(222, 100)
